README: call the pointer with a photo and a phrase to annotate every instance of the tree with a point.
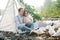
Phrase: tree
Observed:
(58, 4)
(51, 11)
(47, 3)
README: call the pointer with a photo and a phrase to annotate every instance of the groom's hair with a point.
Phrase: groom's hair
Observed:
(20, 9)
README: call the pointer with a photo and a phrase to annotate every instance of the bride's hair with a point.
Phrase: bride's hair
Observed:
(24, 12)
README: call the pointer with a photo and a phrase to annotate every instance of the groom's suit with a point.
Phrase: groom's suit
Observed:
(20, 24)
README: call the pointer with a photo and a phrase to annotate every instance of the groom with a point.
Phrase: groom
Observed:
(19, 20)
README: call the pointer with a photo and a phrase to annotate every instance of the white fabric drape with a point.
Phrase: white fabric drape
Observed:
(8, 20)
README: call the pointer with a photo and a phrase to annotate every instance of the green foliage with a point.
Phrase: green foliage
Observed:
(47, 3)
(31, 10)
(58, 4)
(52, 11)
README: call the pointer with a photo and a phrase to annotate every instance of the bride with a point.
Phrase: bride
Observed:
(27, 20)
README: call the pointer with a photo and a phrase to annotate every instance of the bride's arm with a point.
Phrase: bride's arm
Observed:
(31, 19)
(24, 20)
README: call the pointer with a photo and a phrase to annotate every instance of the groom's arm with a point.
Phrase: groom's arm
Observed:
(18, 24)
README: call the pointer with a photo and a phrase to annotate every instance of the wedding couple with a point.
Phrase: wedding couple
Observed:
(23, 21)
